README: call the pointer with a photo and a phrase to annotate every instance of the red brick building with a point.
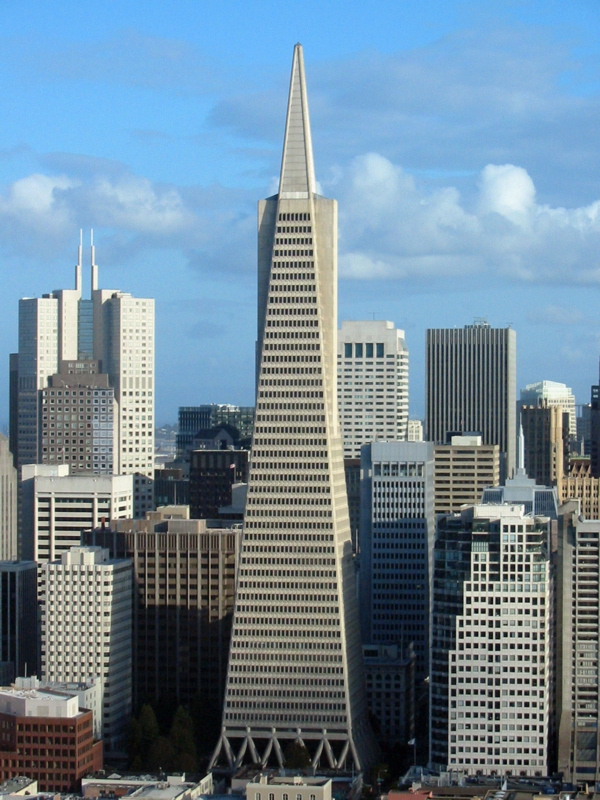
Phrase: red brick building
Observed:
(44, 736)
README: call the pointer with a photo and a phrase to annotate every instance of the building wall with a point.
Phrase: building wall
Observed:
(499, 668)
(372, 365)
(19, 617)
(65, 505)
(551, 393)
(8, 503)
(471, 386)
(546, 438)
(185, 591)
(58, 751)
(463, 470)
(396, 554)
(87, 630)
(577, 645)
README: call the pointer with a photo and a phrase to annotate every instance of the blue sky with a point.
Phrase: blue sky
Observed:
(460, 139)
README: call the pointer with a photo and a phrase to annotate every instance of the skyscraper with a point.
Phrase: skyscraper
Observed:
(471, 386)
(492, 668)
(397, 532)
(295, 668)
(372, 383)
(66, 344)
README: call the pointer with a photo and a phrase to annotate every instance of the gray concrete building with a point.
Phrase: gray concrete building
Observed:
(471, 386)
(295, 665)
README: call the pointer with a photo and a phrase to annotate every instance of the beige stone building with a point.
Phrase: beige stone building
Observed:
(462, 470)
(546, 443)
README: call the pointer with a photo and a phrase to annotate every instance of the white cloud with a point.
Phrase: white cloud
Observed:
(36, 202)
(394, 226)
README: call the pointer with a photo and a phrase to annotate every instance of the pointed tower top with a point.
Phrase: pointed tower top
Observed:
(297, 167)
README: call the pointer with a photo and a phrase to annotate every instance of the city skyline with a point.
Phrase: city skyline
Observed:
(467, 133)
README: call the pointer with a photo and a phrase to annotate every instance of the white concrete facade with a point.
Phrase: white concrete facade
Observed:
(372, 383)
(87, 630)
(63, 505)
(495, 655)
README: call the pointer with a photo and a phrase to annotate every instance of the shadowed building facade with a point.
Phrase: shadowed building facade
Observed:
(295, 669)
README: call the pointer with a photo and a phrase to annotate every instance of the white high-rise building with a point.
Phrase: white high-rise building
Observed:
(62, 333)
(87, 630)
(397, 531)
(492, 651)
(59, 506)
(372, 383)
(551, 393)
(295, 665)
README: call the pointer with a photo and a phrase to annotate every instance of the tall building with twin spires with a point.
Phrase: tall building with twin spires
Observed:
(82, 383)
(295, 667)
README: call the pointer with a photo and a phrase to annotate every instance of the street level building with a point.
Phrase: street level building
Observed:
(295, 666)
(46, 736)
(463, 469)
(86, 630)
(471, 386)
(492, 678)
(372, 383)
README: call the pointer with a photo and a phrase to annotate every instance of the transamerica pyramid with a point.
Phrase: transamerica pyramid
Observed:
(295, 665)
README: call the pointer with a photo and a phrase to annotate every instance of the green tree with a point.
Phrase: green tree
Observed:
(161, 756)
(143, 732)
(296, 756)
(182, 740)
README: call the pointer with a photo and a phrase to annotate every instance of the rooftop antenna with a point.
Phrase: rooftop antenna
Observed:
(78, 266)
(93, 263)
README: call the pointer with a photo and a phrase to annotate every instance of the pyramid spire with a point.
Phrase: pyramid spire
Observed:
(297, 166)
